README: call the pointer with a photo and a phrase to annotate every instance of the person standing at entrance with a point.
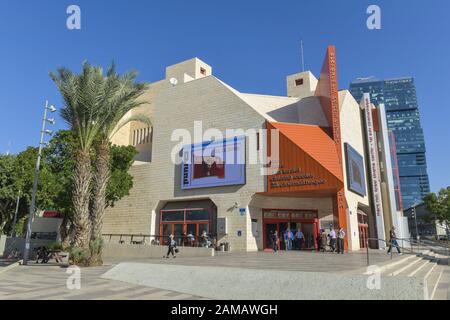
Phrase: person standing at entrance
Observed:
(300, 238)
(332, 236)
(340, 239)
(323, 240)
(172, 244)
(393, 241)
(288, 237)
(275, 241)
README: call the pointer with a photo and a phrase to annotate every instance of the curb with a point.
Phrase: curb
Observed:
(11, 266)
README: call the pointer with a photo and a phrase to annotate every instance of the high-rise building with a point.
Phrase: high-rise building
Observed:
(402, 112)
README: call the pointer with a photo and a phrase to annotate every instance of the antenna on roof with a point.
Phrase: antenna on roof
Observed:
(303, 59)
(7, 150)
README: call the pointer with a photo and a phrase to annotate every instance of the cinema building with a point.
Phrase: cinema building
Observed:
(295, 161)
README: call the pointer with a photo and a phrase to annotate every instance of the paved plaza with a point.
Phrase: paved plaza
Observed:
(306, 261)
(49, 281)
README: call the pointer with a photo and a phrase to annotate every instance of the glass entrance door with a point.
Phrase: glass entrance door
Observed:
(308, 233)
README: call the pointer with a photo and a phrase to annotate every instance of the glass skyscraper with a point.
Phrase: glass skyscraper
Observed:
(402, 111)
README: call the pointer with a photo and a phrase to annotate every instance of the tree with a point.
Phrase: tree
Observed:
(120, 97)
(55, 179)
(9, 189)
(439, 206)
(83, 96)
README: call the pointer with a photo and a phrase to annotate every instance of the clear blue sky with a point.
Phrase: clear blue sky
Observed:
(251, 44)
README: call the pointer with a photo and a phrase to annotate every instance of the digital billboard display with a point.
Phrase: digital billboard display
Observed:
(213, 163)
(355, 170)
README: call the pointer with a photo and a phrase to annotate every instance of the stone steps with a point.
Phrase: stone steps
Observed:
(403, 266)
(426, 266)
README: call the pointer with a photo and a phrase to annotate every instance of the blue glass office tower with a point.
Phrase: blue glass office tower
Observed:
(402, 111)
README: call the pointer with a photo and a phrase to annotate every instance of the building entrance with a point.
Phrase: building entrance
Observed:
(188, 221)
(293, 220)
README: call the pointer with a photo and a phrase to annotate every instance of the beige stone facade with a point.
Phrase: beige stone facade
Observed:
(199, 96)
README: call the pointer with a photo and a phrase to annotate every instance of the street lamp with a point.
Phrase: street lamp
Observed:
(414, 215)
(36, 176)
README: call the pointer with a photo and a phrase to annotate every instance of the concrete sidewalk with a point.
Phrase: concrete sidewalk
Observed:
(282, 261)
(226, 283)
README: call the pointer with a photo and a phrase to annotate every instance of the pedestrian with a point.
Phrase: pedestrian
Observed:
(300, 238)
(172, 244)
(191, 239)
(393, 241)
(323, 241)
(332, 236)
(274, 240)
(319, 240)
(340, 239)
(288, 237)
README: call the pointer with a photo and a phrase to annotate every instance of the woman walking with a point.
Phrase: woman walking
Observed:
(172, 244)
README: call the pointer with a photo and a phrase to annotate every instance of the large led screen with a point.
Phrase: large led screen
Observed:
(355, 170)
(213, 163)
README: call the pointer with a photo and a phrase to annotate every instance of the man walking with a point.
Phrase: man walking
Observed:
(299, 236)
(332, 236)
(288, 237)
(323, 241)
(172, 244)
(275, 241)
(393, 241)
(340, 244)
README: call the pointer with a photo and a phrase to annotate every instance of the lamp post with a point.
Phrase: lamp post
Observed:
(36, 177)
(414, 214)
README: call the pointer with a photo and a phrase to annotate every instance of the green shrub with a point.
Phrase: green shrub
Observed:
(96, 247)
(55, 246)
(79, 256)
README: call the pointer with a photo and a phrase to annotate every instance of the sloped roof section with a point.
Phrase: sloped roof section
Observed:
(314, 141)
(284, 109)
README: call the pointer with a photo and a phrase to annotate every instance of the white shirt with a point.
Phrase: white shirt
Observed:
(333, 234)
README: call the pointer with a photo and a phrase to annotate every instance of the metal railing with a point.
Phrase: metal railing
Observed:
(425, 244)
(182, 240)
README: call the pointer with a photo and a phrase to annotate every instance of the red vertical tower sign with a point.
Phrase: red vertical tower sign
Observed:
(327, 91)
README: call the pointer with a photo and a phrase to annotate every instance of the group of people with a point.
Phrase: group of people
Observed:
(293, 240)
(204, 240)
(334, 240)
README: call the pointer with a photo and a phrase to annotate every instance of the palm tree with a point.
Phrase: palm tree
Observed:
(83, 96)
(121, 95)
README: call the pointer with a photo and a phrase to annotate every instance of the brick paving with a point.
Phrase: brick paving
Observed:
(48, 282)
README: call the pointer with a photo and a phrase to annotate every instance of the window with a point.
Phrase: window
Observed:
(298, 82)
(200, 214)
(173, 216)
(203, 71)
